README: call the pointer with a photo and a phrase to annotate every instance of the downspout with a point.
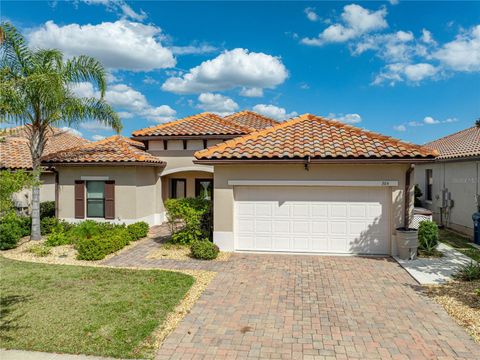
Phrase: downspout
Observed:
(406, 215)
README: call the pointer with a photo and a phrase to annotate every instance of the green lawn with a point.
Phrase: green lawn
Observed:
(85, 310)
(460, 243)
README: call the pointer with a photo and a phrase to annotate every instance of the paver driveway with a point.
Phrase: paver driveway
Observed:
(309, 307)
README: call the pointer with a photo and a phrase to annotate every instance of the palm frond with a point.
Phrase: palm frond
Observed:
(15, 52)
(86, 68)
(76, 110)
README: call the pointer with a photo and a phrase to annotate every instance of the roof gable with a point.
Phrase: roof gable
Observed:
(315, 137)
(464, 143)
(251, 119)
(200, 124)
(114, 149)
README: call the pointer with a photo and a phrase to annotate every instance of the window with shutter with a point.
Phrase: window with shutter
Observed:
(79, 199)
(110, 199)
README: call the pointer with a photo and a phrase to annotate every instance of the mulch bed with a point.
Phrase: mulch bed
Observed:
(461, 299)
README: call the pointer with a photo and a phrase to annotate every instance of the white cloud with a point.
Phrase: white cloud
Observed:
(346, 118)
(311, 14)
(193, 49)
(274, 112)
(97, 137)
(72, 131)
(393, 2)
(128, 101)
(462, 54)
(94, 126)
(120, 7)
(151, 81)
(399, 72)
(251, 92)
(394, 47)
(356, 21)
(430, 120)
(427, 37)
(427, 120)
(216, 103)
(231, 69)
(119, 45)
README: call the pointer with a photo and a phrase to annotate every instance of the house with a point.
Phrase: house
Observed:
(15, 155)
(305, 185)
(450, 185)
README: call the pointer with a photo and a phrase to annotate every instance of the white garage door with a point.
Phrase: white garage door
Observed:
(311, 219)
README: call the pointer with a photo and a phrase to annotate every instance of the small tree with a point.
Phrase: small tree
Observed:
(12, 182)
(36, 91)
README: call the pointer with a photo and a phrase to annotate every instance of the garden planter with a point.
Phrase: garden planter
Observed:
(407, 243)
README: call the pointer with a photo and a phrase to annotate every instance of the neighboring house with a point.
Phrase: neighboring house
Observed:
(15, 155)
(450, 186)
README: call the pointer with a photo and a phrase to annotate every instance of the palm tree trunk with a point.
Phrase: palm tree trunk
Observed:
(37, 144)
(36, 232)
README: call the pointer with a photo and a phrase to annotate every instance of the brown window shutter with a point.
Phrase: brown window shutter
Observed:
(110, 199)
(79, 199)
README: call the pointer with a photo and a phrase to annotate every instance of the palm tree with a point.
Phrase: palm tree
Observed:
(36, 91)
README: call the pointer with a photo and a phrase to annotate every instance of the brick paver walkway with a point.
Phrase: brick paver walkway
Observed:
(309, 307)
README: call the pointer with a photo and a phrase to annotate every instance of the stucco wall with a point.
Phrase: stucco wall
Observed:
(461, 178)
(224, 193)
(47, 191)
(137, 191)
(178, 159)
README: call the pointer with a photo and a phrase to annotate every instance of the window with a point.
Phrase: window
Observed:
(96, 199)
(204, 188)
(428, 184)
(178, 188)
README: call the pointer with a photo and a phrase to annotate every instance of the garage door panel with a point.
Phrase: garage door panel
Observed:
(299, 219)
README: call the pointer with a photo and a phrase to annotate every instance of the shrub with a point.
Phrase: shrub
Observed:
(204, 249)
(138, 230)
(193, 214)
(99, 246)
(57, 238)
(47, 209)
(10, 233)
(25, 223)
(49, 224)
(428, 236)
(468, 272)
(85, 230)
(40, 250)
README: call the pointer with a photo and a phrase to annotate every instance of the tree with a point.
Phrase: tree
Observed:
(10, 183)
(36, 91)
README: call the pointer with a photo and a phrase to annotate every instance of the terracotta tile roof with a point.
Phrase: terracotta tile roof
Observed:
(200, 124)
(464, 143)
(251, 119)
(14, 147)
(114, 149)
(314, 136)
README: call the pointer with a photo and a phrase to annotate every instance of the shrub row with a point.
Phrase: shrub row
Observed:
(12, 229)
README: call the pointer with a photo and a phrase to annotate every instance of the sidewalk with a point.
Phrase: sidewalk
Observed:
(428, 271)
(34, 355)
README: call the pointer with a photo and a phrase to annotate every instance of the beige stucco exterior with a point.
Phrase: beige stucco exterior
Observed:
(461, 178)
(23, 199)
(224, 194)
(138, 191)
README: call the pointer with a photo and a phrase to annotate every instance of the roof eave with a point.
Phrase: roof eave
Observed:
(314, 161)
(106, 163)
(186, 137)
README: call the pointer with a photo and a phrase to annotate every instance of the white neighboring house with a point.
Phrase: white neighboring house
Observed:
(15, 155)
(450, 185)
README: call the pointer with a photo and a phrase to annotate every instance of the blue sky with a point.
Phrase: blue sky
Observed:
(402, 68)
